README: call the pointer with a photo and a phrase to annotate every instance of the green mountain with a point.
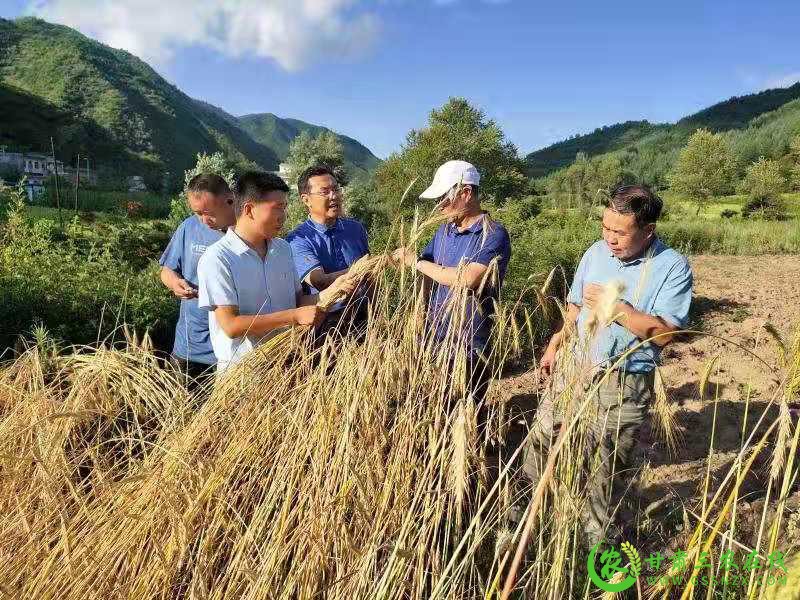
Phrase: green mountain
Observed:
(601, 140)
(111, 105)
(278, 133)
(107, 104)
(651, 148)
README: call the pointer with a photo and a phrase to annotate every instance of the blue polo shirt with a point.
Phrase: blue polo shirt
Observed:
(233, 274)
(183, 252)
(658, 283)
(481, 243)
(332, 248)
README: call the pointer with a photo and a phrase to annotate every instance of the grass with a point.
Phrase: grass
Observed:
(348, 471)
(733, 237)
(713, 210)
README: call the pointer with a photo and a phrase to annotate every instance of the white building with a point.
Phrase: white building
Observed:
(136, 184)
(35, 166)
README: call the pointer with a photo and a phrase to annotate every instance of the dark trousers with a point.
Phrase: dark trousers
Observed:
(194, 374)
(351, 321)
(620, 404)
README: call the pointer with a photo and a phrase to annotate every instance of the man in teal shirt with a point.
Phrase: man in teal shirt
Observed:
(620, 358)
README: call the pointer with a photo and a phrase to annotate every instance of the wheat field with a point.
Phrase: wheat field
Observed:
(351, 469)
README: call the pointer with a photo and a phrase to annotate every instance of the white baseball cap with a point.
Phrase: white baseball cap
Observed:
(450, 174)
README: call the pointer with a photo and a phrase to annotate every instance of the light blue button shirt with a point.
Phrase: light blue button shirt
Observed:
(231, 273)
(658, 283)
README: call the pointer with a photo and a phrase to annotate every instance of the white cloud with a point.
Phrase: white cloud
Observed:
(784, 81)
(294, 33)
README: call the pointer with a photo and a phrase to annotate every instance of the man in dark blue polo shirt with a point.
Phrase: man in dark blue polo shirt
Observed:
(460, 254)
(327, 244)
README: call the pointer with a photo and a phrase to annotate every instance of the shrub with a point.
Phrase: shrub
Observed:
(178, 211)
(728, 213)
(133, 209)
(673, 211)
(766, 208)
(83, 282)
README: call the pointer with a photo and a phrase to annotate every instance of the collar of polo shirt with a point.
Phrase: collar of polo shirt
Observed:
(239, 246)
(321, 227)
(476, 227)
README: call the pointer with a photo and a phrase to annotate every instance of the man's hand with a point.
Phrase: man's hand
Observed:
(184, 290)
(547, 363)
(404, 256)
(345, 284)
(591, 295)
(309, 315)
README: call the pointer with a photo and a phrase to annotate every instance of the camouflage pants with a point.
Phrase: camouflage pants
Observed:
(620, 405)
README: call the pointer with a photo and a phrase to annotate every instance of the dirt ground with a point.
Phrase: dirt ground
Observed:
(734, 298)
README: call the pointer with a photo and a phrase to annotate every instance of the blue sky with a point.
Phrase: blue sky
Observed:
(374, 69)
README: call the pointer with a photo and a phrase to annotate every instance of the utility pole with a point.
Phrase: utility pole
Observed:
(77, 180)
(58, 193)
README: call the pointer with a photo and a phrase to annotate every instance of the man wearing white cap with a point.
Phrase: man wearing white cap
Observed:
(460, 254)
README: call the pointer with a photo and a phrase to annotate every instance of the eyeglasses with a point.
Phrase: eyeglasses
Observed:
(324, 192)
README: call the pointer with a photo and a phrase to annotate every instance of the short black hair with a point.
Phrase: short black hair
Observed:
(637, 200)
(252, 186)
(208, 182)
(313, 171)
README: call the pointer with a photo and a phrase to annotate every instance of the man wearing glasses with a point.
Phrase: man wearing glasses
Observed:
(460, 255)
(327, 244)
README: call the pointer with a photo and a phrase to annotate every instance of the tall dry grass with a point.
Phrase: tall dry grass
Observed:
(361, 469)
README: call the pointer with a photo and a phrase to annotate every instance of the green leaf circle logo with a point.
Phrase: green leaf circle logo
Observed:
(632, 573)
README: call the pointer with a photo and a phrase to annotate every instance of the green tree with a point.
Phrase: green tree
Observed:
(206, 163)
(360, 198)
(210, 163)
(763, 179)
(763, 183)
(607, 174)
(705, 168)
(585, 183)
(306, 151)
(460, 131)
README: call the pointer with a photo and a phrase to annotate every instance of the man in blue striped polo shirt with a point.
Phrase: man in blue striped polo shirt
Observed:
(459, 256)
(211, 202)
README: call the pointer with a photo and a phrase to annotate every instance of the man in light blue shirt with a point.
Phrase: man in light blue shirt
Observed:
(622, 357)
(211, 202)
(327, 244)
(248, 283)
